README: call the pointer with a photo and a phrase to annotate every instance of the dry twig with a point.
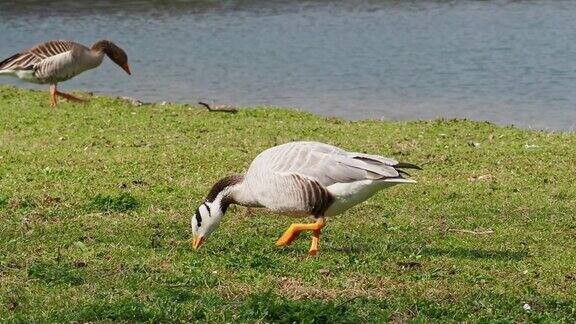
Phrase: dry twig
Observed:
(471, 232)
(220, 108)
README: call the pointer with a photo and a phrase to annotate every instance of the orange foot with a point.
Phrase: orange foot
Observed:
(70, 97)
(295, 229)
(289, 235)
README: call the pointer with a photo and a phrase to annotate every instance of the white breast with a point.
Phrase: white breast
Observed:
(347, 195)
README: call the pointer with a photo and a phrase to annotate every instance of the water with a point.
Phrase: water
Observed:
(510, 62)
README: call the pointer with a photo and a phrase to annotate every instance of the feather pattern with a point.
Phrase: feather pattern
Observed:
(311, 178)
(51, 62)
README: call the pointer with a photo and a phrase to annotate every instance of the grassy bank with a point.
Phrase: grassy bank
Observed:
(95, 202)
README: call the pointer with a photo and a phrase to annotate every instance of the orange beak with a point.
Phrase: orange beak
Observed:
(126, 68)
(197, 241)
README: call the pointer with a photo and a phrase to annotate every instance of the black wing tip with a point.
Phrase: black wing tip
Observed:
(401, 173)
(407, 166)
(10, 59)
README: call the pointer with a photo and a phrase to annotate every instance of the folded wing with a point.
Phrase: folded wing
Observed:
(299, 173)
(28, 59)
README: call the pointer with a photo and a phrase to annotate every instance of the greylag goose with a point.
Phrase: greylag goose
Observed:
(300, 179)
(60, 60)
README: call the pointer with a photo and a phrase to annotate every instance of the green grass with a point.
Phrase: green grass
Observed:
(96, 199)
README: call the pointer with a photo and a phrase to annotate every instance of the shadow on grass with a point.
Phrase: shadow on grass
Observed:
(251, 261)
(128, 310)
(348, 249)
(269, 307)
(463, 253)
(123, 202)
(58, 273)
(192, 307)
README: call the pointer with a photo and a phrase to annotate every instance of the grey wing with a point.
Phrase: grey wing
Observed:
(291, 193)
(21, 61)
(28, 59)
(295, 176)
(324, 163)
(57, 68)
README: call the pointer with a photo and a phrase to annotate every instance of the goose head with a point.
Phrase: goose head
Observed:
(114, 52)
(209, 214)
(205, 221)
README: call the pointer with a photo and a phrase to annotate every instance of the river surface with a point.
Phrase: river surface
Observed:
(510, 62)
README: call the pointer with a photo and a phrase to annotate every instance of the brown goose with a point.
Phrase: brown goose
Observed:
(300, 179)
(60, 60)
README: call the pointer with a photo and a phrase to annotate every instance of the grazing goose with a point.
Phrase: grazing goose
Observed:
(60, 60)
(299, 179)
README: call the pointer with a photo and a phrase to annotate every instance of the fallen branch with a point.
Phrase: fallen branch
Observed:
(220, 108)
(471, 232)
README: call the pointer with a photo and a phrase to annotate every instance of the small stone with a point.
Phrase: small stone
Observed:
(80, 264)
(133, 102)
(324, 272)
(473, 144)
(526, 307)
(485, 177)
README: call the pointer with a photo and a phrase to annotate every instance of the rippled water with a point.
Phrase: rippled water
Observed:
(511, 62)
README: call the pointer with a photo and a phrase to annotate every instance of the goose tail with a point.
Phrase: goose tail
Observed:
(400, 180)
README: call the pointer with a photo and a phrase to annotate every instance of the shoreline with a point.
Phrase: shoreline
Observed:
(224, 106)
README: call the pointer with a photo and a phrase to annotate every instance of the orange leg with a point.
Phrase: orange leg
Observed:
(69, 97)
(314, 247)
(53, 99)
(295, 229)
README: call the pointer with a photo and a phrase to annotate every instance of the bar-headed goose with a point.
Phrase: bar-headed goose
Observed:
(60, 60)
(300, 178)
